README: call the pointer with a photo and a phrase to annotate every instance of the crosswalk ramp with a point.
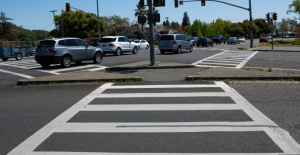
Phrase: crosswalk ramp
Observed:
(181, 118)
(30, 64)
(229, 59)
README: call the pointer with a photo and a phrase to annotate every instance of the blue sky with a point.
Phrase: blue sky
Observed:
(35, 14)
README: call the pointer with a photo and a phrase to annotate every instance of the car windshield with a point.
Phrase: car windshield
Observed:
(193, 38)
(167, 38)
(201, 39)
(136, 41)
(217, 36)
(29, 46)
(241, 37)
(46, 44)
(105, 40)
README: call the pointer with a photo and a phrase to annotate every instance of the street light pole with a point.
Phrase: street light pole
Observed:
(251, 31)
(99, 34)
(54, 18)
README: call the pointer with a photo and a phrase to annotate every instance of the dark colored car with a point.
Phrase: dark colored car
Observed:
(205, 42)
(30, 49)
(194, 40)
(263, 39)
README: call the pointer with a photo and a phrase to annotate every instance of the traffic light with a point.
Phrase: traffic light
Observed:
(268, 17)
(95, 28)
(176, 3)
(142, 19)
(68, 7)
(142, 2)
(156, 17)
(251, 28)
(275, 16)
(159, 3)
(202, 2)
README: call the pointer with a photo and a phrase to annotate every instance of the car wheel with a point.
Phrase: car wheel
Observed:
(197, 45)
(97, 58)
(147, 47)
(135, 50)
(79, 62)
(206, 45)
(4, 59)
(30, 54)
(45, 65)
(178, 51)
(19, 56)
(139, 47)
(118, 52)
(66, 61)
(224, 42)
(191, 49)
(162, 52)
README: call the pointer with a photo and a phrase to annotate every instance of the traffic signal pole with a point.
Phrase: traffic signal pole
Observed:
(251, 31)
(152, 56)
(99, 34)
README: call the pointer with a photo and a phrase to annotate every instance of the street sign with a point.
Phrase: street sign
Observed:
(181, 2)
(282, 28)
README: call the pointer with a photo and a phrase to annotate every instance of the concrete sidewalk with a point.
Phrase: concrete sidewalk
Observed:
(277, 49)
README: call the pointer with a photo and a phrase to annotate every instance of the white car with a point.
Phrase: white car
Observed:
(286, 36)
(142, 44)
(117, 45)
(269, 37)
(242, 39)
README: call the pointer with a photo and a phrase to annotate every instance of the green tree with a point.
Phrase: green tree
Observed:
(185, 20)
(291, 23)
(262, 26)
(188, 29)
(116, 24)
(77, 24)
(294, 8)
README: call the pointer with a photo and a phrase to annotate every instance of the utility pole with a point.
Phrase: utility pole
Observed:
(152, 56)
(54, 18)
(62, 27)
(251, 32)
(21, 32)
(272, 29)
(99, 34)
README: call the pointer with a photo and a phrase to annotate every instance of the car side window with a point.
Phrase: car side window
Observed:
(178, 38)
(121, 39)
(70, 42)
(80, 42)
(126, 40)
(62, 43)
(185, 38)
(143, 41)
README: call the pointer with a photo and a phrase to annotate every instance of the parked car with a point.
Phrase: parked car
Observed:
(205, 42)
(263, 39)
(133, 39)
(30, 50)
(218, 39)
(233, 40)
(286, 36)
(242, 39)
(117, 45)
(64, 51)
(269, 37)
(194, 40)
(174, 43)
(142, 44)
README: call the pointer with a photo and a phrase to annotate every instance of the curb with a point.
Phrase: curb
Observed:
(277, 51)
(26, 82)
(190, 78)
(148, 67)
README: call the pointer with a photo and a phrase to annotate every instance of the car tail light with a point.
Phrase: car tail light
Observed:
(98, 45)
(52, 50)
(111, 45)
(36, 51)
(158, 42)
(174, 42)
(205, 41)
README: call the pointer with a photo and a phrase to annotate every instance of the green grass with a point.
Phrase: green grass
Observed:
(278, 45)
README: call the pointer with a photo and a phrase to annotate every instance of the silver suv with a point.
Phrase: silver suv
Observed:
(64, 51)
(117, 45)
(174, 43)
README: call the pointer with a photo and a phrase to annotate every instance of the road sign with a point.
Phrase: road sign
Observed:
(282, 28)
(181, 2)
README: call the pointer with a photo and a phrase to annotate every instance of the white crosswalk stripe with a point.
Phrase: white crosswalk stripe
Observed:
(61, 124)
(31, 64)
(229, 59)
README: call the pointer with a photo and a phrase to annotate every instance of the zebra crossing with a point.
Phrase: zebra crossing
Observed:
(199, 118)
(30, 64)
(230, 59)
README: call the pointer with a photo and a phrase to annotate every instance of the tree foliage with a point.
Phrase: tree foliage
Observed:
(294, 8)
(76, 24)
(185, 20)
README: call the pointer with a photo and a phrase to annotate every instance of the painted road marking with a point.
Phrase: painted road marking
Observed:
(61, 125)
(17, 74)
